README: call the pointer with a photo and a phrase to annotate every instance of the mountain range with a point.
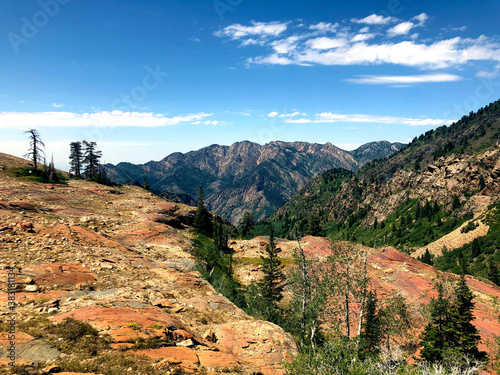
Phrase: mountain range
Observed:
(246, 175)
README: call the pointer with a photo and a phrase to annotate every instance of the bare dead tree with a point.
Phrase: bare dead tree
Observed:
(35, 151)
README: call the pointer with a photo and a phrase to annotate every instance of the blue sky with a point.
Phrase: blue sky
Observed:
(147, 78)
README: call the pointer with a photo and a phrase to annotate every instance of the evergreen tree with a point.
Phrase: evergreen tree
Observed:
(91, 160)
(427, 257)
(202, 221)
(450, 334)
(439, 334)
(246, 224)
(75, 158)
(455, 203)
(468, 336)
(314, 226)
(145, 184)
(372, 327)
(35, 152)
(493, 273)
(272, 283)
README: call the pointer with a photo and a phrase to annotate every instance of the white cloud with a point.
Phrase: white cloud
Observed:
(362, 37)
(326, 43)
(324, 27)
(273, 114)
(21, 120)
(351, 48)
(261, 29)
(401, 80)
(401, 29)
(421, 18)
(489, 74)
(285, 46)
(273, 59)
(57, 105)
(374, 19)
(329, 117)
(364, 29)
(293, 114)
(440, 54)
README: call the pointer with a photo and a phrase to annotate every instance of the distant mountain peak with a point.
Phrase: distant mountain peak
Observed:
(245, 175)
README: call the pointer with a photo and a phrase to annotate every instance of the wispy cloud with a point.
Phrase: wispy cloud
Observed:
(329, 117)
(374, 19)
(21, 120)
(489, 74)
(402, 80)
(324, 27)
(57, 105)
(258, 29)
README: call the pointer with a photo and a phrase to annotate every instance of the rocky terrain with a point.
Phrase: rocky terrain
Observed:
(246, 175)
(118, 258)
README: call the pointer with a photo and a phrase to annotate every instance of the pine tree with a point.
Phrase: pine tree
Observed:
(202, 221)
(35, 152)
(314, 226)
(372, 327)
(246, 224)
(439, 334)
(455, 203)
(75, 158)
(91, 160)
(450, 333)
(493, 275)
(145, 184)
(468, 336)
(272, 283)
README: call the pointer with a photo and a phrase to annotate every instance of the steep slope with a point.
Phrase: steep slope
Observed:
(390, 273)
(441, 180)
(108, 257)
(245, 175)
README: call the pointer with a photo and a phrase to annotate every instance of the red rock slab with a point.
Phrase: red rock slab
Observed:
(28, 297)
(174, 354)
(317, 246)
(185, 358)
(117, 319)
(59, 274)
(216, 360)
(258, 343)
(91, 235)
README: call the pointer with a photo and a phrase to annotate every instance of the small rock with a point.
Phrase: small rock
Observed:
(32, 288)
(209, 335)
(186, 343)
(53, 310)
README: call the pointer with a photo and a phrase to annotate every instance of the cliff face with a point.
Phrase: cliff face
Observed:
(246, 175)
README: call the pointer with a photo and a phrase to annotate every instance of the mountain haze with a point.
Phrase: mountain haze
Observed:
(247, 175)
